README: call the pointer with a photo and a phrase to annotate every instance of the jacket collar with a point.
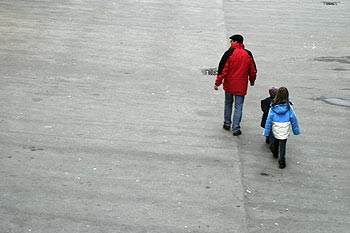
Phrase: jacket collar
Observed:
(237, 46)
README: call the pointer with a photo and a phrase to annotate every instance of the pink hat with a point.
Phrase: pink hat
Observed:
(273, 90)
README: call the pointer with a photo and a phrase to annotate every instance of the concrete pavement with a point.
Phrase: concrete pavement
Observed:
(108, 125)
(302, 45)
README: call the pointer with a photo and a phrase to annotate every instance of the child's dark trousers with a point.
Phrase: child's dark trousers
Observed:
(280, 146)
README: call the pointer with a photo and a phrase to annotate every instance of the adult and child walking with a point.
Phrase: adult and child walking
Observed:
(236, 68)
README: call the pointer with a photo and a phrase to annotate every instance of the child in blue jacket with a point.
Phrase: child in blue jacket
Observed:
(280, 120)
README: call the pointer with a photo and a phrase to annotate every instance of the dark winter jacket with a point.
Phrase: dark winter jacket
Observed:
(265, 107)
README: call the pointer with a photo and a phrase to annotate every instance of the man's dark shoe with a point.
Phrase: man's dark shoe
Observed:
(236, 133)
(282, 164)
(226, 127)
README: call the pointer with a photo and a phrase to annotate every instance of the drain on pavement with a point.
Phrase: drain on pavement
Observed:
(337, 101)
(210, 71)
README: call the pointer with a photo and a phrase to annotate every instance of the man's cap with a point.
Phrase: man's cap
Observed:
(237, 38)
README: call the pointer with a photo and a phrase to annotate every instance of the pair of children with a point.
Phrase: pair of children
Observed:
(278, 119)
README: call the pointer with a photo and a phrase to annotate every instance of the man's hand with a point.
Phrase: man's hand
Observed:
(216, 87)
(251, 83)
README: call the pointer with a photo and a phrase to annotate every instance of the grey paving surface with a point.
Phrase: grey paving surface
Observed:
(304, 46)
(108, 125)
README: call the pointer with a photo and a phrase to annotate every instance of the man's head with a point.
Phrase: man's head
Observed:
(237, 38)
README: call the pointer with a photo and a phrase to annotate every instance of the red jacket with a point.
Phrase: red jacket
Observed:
(236, 66)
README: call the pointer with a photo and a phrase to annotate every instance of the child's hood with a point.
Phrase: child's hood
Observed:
(280, 109)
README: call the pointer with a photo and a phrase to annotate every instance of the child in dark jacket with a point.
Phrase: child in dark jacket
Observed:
(280, 120)
(265, 107)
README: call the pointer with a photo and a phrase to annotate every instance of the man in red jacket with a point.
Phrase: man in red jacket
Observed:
(236, 68)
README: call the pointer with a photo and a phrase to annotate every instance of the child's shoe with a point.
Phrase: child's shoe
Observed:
(282, 163)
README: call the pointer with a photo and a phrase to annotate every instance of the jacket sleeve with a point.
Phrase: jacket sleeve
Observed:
(223, 74)
(268, 125)
(252, 68)
(262, 104)
(265, 106)
(294, 122)
(224, 59)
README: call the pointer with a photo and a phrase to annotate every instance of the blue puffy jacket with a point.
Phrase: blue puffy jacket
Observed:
(281, 120)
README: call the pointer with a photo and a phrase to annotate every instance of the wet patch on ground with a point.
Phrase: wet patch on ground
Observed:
(32, 148)
(343, 59)
(37, 99)
(330, 3)
(341, 69)
(337, 101)
(264, 174)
